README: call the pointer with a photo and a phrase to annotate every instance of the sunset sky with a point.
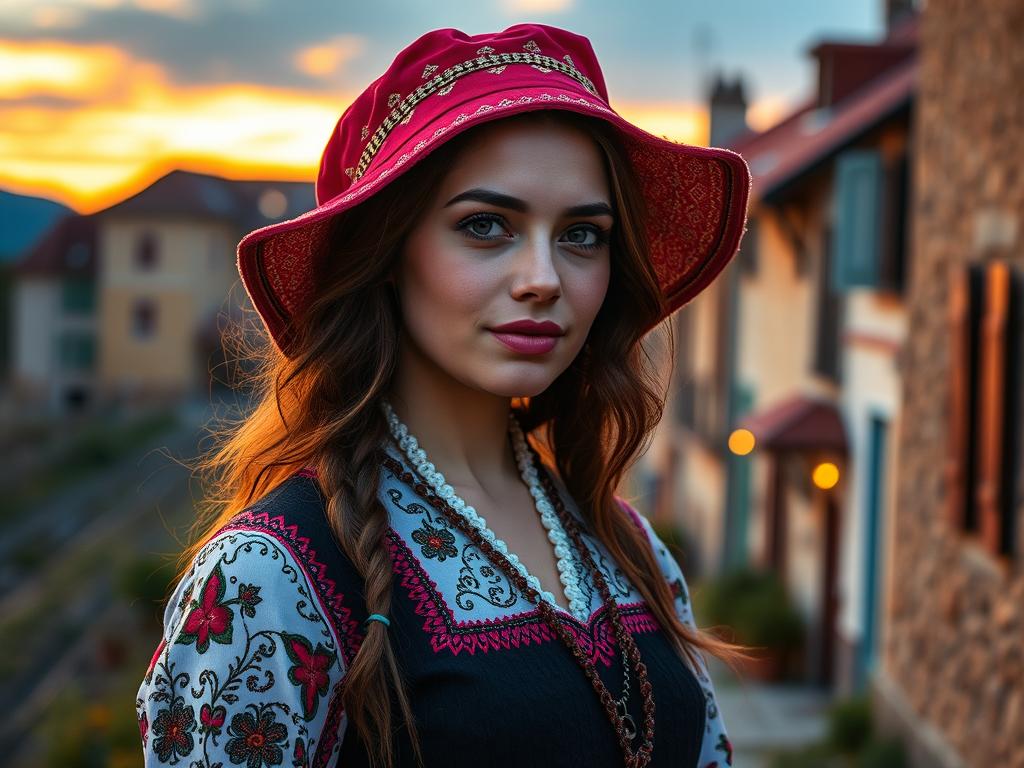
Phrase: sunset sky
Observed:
(100, 97)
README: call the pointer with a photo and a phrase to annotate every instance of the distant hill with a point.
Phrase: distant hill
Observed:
(23, 220)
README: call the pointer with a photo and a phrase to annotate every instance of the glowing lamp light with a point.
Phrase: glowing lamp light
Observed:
(741, 441)
(825, 475)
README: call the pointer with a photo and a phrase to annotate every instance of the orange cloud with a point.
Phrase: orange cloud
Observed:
(135, 119)
(327, 59)
(54, 68)
(137, 124)
(687, 123)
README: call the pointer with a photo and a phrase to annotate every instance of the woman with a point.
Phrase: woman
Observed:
(491, 244)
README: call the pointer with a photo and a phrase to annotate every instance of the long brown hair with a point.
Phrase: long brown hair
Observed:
(320, 408)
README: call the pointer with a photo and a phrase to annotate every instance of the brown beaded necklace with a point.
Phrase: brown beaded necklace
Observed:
(621, 722)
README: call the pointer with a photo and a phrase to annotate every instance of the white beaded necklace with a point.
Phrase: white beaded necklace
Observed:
(568, 575)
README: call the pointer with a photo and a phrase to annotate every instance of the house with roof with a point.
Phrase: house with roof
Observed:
(786, 389)
(821, 322)
(53, 318)
(148, 290)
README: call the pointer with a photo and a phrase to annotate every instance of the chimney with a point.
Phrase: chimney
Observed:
(898, 10)
(728, 110)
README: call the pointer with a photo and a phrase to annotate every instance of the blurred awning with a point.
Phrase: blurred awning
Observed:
(798, 423)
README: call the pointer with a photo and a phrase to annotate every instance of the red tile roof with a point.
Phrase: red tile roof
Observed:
(810, 135)
(68, 248)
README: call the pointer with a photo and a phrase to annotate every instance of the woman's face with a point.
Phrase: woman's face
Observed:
(518, 230)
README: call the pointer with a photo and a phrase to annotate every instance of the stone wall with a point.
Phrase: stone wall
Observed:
(953, 650)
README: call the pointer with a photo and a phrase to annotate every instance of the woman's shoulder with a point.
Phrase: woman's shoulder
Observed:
(248, 648)
(289, 527)
(670, 567)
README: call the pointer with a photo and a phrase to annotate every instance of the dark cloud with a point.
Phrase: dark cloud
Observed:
(645, 55)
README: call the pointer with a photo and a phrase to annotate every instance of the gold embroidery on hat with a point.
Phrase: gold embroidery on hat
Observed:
(531, 46)
(599, 106)
(568, 60)
(485, 49)
(351, 173)
(405, 120)
(429, 70)
(443, 83)
(497, 70)
(394, 98)
(364, 133)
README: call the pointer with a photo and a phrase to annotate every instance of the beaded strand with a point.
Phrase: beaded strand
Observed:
(621, 722)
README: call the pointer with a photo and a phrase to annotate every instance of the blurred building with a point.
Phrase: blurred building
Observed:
(128, 302)
(53, 317)
(800, 342)
(952, 677)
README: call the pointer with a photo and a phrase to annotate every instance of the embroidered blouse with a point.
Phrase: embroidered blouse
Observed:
(260, 631)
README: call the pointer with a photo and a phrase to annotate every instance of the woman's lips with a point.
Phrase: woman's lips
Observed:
(527, 344)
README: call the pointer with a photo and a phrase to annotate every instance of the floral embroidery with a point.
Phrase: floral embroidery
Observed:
(250, 702)
(211, 719)
(531, 46)
(209, 618)
(173, 727)
(249, 597)
(256, 741)
(435, 542)
(310, 670)
(429, 70)
(725, 746)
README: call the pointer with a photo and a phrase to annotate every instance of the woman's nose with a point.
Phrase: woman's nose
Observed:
(535, 270)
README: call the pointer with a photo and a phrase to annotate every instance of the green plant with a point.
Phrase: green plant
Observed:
(883, 753)
(849, 724)
(812, 756)
(756, 605)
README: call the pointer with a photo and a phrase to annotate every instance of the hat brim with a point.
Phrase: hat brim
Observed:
(696, 199)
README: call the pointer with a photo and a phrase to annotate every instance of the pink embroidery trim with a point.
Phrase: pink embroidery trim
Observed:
(448, 634)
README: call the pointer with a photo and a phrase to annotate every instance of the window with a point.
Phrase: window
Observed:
(870, 220)
(827, 315)
(76, 351)
(893, 249)
(146, 252)
(78, 296)
(856, 219)
(144, 319)
(985, 409)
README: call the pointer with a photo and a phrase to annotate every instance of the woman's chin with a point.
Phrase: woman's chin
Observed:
(510, 383)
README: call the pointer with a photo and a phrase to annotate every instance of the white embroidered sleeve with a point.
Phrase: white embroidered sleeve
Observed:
(716, 749)
(248, 669)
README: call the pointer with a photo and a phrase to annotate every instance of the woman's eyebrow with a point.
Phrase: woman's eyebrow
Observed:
(514, 203)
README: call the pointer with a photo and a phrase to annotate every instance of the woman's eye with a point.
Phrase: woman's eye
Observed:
(479, 227)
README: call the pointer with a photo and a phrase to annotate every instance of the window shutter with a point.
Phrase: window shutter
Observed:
(893, 243)
(857, 220)
(992, 487)
(960, 466)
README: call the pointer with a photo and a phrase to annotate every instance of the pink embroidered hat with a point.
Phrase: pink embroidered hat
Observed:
(447, 81)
